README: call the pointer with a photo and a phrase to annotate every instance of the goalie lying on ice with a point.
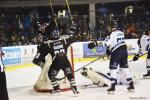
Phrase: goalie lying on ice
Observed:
(102, 79)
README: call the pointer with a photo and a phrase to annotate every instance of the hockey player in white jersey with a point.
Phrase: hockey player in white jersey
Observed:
(118, 56)
(144, 45)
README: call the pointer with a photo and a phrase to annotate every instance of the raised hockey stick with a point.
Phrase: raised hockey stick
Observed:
(67, 3)
(83, 66)
(53, 13)
(139, 56)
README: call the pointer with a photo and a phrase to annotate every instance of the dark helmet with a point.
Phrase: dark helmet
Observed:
(55, 34)
(114, 25)
(39, 38)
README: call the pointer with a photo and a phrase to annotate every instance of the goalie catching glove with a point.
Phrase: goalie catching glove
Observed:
(92, 44)
(38, 62)
(136, 57)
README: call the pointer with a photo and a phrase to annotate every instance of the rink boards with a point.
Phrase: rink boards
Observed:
(26, 74)
(22, 56)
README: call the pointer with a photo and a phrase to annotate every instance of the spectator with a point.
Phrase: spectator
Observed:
(131, 32)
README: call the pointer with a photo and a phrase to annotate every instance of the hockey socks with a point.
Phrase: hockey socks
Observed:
(74, 87)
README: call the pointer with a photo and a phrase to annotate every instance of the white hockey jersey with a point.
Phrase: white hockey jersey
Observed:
(144, 44)
(116, 40)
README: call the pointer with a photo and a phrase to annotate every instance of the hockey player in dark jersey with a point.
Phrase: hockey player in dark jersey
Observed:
(57, 47)
(42, 51)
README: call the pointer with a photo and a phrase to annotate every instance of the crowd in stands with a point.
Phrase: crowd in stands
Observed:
(22, 29)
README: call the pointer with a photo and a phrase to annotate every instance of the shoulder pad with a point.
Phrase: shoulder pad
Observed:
(65, 36)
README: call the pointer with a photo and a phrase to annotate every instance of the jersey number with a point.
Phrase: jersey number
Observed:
(120, 39)
(60, 51)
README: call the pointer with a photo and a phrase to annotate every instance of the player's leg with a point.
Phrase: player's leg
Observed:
(70, 75)
(114, 61)
(125, 69)
(147, 66)
(52, 73)
(3, 87)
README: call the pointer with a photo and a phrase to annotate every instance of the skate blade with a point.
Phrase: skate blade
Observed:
(111, 92)
(55, 92)
(146, 77)
(75, 92)
(131, 90)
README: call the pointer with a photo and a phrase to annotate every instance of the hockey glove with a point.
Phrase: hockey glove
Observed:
(136, 57)
(38, 63)
(92, 44)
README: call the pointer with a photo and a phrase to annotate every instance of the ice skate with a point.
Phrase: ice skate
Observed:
(55, 90)
(131, 87)
(112, 89)
(74, 89)
(147, 76)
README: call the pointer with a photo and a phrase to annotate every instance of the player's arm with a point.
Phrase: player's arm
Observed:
(140, 52)
(108, 43)
(39, 59)
(110, 40)
(92, 44)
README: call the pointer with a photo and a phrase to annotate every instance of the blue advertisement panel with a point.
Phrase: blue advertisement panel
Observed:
(95, 52)
(12, 55)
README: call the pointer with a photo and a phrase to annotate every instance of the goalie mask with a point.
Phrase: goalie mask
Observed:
(55, 35)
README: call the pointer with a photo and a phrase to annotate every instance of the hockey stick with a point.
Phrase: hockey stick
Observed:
(90, 63)
(53, 14)
(139, 56)
(69, 11)
(83, 66)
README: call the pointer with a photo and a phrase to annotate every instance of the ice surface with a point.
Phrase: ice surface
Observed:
(20, 85)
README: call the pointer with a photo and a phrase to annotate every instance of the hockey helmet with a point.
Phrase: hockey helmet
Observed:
(55, 34)
(39, 38)
(114, 25)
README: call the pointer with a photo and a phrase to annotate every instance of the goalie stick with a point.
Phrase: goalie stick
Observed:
(83, 66)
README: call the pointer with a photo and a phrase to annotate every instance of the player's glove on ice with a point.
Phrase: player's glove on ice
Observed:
(136, 57)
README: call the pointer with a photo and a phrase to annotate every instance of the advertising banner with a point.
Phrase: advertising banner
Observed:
(95, 52)
(12, 55)
(28, 53)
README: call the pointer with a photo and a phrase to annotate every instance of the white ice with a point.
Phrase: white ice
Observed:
(20, 85)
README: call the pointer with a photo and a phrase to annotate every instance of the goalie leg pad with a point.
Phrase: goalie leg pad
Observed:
(97, 77)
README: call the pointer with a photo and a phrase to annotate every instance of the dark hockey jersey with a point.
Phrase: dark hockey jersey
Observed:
(58, 48)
